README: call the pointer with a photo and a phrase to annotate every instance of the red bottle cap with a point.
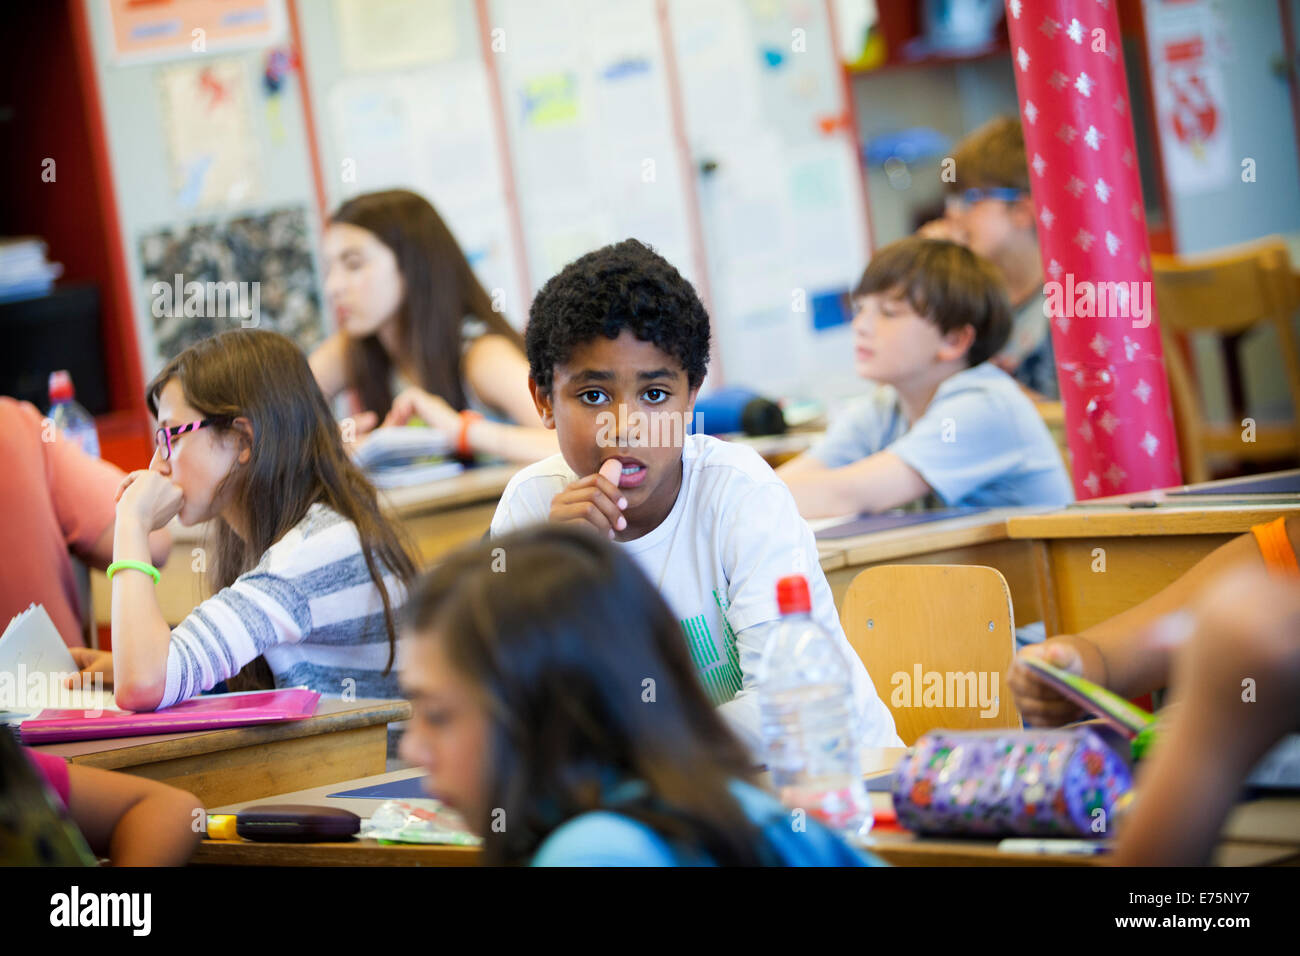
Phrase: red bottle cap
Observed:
(792, 595)
(61, 387)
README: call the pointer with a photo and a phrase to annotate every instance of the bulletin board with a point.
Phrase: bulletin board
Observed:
(780, 189)
(403, 100)
(211, 171)
(585, 92)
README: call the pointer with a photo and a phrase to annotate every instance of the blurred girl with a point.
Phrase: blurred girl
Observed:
(418, 333)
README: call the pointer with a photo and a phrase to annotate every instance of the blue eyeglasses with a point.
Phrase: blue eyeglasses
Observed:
(970, 197)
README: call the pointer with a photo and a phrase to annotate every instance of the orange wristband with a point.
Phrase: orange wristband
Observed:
(467, 418)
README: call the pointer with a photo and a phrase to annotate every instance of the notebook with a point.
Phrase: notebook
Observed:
(212, 712)
(1125, 717)
(410, 455)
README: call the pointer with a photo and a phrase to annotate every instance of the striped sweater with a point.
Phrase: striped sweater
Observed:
(309, 606)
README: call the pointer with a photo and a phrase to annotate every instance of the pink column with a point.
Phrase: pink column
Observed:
(1092, 235)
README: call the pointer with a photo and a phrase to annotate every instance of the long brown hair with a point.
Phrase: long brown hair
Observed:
(297, 459)
(441, 291)
(589, 686)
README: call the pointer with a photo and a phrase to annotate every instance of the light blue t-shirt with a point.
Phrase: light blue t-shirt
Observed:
(981, 441)
(607, 838)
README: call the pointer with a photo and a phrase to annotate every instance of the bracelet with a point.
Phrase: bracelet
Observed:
(148, 569)
(467, 418)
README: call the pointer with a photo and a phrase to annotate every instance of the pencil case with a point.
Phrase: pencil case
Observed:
(1059, 782)
(295, 823)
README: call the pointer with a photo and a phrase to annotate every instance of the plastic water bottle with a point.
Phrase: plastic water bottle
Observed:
(76, 424)
(809, 719)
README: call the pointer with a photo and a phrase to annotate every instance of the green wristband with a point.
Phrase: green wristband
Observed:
(148, 569)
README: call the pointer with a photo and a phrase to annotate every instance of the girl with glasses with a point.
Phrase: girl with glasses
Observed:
(307, 572)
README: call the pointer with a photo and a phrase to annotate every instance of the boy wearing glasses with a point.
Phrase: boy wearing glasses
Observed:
(943, 422)
(988, 208)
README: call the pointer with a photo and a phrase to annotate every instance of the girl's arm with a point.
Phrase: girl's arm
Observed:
(132, 820)
(329, 365)
(1124, 653)
(498, 373)
(141, 637)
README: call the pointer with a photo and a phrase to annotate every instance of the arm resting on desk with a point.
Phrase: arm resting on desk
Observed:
(876, 483)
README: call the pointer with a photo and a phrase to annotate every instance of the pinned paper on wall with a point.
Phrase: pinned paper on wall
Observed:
(377, 35)
(250, 272)
(144, 32)
(550, 100)
(431, 131)
(210, 143)
(1190, 97)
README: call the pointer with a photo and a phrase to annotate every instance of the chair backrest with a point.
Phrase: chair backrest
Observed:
(937, 640)
(1227, 292)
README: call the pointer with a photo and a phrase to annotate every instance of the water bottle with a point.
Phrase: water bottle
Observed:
(809, 718)
(76, 424)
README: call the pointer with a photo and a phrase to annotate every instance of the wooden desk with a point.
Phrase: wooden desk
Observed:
(1271, 837)
(343, 740)
(1147, 540)
(967, 539)
(439, 516)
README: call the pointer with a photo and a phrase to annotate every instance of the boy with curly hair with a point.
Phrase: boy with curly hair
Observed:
(618, 344)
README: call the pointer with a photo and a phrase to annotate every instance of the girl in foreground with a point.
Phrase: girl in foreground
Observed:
(557, 708)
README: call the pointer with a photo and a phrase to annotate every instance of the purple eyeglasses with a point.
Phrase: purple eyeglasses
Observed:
(164, 437)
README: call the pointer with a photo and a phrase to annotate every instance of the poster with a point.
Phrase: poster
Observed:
(177, 28)
(254, 271)
(1190, 98)
(210, 143)
(431, 131)
(376, 35)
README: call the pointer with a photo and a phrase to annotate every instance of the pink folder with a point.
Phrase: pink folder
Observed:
(52, 726)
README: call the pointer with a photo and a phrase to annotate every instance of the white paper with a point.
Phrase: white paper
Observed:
(392, 34)
(209, 137)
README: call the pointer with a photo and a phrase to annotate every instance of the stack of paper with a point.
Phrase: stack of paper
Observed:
(33, 664)
(395, 457)
(24, 273)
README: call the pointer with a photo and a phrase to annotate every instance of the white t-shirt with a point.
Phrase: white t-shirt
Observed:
(732, 533)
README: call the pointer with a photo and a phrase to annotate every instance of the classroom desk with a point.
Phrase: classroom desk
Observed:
(1147, 540)
(1272, 837)
(439, 516)
(965, 539)
(343, 740)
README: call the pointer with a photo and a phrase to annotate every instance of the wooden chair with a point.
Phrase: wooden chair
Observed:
(1228, 293)
(907, 621)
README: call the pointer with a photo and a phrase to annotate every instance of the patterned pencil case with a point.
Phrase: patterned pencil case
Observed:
(1043, 783)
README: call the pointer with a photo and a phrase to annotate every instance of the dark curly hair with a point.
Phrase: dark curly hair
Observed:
(623, 286)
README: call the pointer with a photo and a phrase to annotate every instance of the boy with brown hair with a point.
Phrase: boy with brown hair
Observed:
(929, 313)
(989, 209)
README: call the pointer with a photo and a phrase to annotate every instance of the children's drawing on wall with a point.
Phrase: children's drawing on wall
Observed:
(255, 271)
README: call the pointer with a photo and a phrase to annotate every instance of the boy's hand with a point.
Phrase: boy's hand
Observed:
(89, 663)
(1039, 704)
(593, 500)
